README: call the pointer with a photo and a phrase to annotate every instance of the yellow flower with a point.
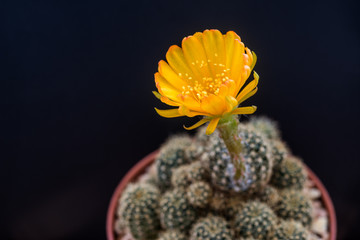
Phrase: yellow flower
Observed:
(205, 77)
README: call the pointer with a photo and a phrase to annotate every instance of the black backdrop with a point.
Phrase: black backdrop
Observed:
(79, 109)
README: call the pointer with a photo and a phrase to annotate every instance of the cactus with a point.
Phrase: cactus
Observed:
(255, 220)
(172, 235)
(289, 174)
(119, 225)
(234, 204)
(138, 208)
(179, 176)
(195, 150)
(197, 172)
(294, 205)
(201, 137)
(218, 202)
(267, 126)
(190, 191)
(257, 157)
(279, 151)
(211, 228)
(199, 194)
(269, 195)
(290, 230)
(171, 155)
(175, 210)
(150, 176)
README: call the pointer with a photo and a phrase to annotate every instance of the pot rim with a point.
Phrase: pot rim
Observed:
(141, 166)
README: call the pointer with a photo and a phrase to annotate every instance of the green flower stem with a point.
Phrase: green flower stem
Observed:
(228, 128)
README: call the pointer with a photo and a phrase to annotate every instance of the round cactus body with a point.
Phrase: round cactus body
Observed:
(150, 176)
(255, 220)
(201, 137)
(197, 172)
(175, 210)
(279, 151)
(269, 195)
(171, 156)
(218, 202)
(138, 208)
(294, 205)
(172, 235)
(199, 194)
(234, 205)
(195, 150)
(211, 228)
(256, 156)
(289, 174)
(290, 230)
(179, 176)
(267, 126)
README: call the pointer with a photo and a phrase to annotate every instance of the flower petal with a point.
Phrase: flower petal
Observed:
(189, 113)
(224, 89)
(157, 95)
(212, 126)
(169, 102)
(190, 102)
(244, 110)
(199, 36)
(165, 99)
(250, 94)
(165, 88)
(177, 61)
(171, 76)
(229, 47)
(196, 57)
(214, 46)
(214, 105)
(198, 124)
(237, 63)
(248, 87)
(253, 61)
(231, 103)
(169, 113)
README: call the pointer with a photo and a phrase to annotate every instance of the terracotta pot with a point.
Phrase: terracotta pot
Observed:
(141, 166)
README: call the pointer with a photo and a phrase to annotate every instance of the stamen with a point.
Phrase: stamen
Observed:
(207, 84)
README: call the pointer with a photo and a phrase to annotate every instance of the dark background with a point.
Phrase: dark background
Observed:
(79, 109)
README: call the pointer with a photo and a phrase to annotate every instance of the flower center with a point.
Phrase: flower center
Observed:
(208, 83)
